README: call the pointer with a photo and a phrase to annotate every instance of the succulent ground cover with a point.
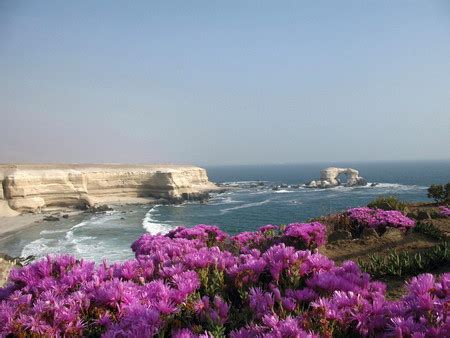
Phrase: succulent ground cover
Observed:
(379, 219)
(200, 281)
(403, 263)
(445, 211)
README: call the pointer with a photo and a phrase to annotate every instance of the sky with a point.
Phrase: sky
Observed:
(224, 82)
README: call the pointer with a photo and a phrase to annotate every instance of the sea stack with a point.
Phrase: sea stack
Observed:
(329, 177)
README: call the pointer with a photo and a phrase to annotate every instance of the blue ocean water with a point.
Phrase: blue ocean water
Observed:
(251, 203)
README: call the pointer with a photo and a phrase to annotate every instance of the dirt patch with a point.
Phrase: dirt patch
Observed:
(362, 248)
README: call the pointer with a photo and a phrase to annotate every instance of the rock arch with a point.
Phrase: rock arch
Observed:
(329, 177)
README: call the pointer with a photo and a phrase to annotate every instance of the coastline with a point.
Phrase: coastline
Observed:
(12, 225)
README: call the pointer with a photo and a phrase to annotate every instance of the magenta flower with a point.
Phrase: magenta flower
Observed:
(197, 282)
(380, 219)
(445, 211)
(313, 234)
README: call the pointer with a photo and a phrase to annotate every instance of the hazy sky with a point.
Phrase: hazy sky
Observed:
(221, 82)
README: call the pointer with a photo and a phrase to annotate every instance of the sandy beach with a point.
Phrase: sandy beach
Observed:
(9, 225)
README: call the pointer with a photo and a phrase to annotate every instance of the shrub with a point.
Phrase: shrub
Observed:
(388, 203)
(199, 282)
(430, 230)
(440, 193)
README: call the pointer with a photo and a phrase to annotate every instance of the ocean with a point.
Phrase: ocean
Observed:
(252, 203)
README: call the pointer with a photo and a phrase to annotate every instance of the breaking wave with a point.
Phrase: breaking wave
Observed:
(153, 226)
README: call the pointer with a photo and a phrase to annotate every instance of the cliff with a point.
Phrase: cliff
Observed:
(30, 187)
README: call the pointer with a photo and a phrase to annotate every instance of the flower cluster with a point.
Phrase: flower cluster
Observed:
(424, 310)
(380, 219)
(199, 282)
(310, 233)
(445, 211)
(298, 235)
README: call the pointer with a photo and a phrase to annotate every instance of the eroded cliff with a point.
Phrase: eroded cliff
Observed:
(29, 188)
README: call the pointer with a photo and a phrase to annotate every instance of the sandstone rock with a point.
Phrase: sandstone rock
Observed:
(32, 187)
(329, 178)
(393, 234)
(27, 204)
(6, 265)
(369, 233)
(339, 235)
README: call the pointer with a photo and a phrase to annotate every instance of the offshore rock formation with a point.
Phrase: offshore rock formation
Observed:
(29, 188)
(329, 178)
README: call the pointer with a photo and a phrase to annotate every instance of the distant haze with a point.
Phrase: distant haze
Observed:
(224, 82)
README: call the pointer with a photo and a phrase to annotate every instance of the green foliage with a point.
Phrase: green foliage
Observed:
(388, 203)
(405, 264)
(212, 281)
(429, 230)
(218, 331)
(440, 193)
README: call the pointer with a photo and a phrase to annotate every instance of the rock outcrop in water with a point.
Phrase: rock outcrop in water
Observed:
(29, 188)
(329, 177)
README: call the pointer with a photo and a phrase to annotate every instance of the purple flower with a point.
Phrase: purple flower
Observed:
(380, 219)
(313, 234)
(195, 282)
(260, 302)
(445, 211)
(267, 228)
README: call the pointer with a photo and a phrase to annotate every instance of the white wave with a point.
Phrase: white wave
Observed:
(49, 232)
(84, 244)
(44, 246)
(378, 187)
(396, 186)
(58, 231)
(224, 200)
(39, 247)
(283, 191)
(79, 225)
(152, 226)
(248, 205)
(69, 236)
(244, 182)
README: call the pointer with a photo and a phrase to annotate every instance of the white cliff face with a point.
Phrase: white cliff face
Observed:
(329, 178)
(29, 188)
